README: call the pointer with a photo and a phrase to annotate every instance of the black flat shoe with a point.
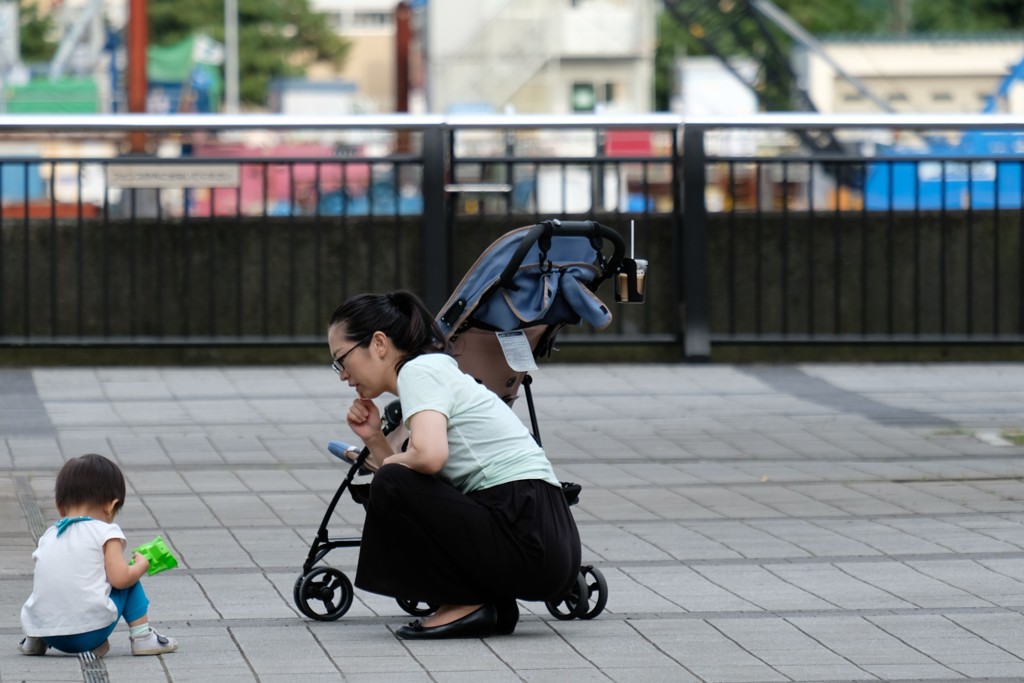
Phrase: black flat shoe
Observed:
(478, 624)
(508, 617)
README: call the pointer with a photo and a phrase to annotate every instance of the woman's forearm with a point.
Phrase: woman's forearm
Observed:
(380, 450)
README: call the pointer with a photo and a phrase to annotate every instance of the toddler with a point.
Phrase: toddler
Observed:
(82, 584)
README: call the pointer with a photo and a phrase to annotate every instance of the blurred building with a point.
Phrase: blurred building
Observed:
(540, 56)
(528, 56)
(922, 74)
(369, 25)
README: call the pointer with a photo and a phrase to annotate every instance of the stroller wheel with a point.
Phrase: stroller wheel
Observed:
(324, 594)
(574, 605)
(597, 590)
(417, 608)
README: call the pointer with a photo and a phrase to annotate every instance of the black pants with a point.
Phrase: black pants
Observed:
(425, 540)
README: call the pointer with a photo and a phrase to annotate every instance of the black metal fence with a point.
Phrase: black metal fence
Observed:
(248, 230)
(915, 235)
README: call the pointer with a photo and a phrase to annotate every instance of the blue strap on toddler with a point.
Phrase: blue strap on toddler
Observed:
(63, 524)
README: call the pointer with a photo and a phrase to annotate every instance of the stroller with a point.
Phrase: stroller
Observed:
(507, 311)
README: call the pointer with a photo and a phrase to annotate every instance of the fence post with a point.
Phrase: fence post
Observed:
(435, 251)
(696, 323)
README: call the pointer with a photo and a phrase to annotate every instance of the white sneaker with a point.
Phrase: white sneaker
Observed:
(153, 644)
(32, 646)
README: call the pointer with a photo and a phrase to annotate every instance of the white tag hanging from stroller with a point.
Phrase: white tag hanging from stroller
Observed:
(516, 347)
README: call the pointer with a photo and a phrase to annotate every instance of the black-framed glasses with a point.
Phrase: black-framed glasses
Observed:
(338, 364)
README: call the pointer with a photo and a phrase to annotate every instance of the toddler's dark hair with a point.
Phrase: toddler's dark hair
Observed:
(89, 479)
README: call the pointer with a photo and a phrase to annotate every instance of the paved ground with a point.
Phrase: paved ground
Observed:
(805, 523)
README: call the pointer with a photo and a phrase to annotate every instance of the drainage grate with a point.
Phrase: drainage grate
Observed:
(33, 515)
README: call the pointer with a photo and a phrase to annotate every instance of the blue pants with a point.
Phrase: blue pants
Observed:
(131, 604)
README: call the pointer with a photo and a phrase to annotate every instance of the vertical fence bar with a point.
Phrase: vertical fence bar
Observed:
(697, 330)
(292, 285)
(26, 267)
(211, 262)
(864, 246)
(158, 254)
(810, 247)
(132, 265)
(343, 229)
(186, 269)
(841, 171)
(435, 248)
(890, 268)
(758, 250)
(53, 249)
(79, 260)
(265, 255)
(105, 277)
(371, 247)
(396, 243)
(677, 232)
(995, 251)
(917, 247)
(943, 229)
(969, 254)
(732, 275)
(318, 239)
(239, 301)
(784, 250)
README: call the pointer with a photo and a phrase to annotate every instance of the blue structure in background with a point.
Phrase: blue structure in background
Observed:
(982, 180)
(21, 181)
(380, 200)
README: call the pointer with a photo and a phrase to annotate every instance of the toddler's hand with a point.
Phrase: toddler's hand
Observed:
(140, 559)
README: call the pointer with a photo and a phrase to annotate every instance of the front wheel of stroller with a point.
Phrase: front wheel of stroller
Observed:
(417, 608)
(324, 594)
(574, 605)
(597, 591)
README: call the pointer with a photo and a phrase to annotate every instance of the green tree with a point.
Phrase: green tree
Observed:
(276, 38)
(34, 33)
(964, 16)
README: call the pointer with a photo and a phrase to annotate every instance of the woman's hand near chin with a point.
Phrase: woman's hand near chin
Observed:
(364, 420)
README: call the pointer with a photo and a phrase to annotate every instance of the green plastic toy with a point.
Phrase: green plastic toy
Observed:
(159, 556)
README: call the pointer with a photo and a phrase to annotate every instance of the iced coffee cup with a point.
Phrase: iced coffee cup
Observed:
(632, 285)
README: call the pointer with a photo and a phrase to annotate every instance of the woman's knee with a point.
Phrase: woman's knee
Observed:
(393, 479)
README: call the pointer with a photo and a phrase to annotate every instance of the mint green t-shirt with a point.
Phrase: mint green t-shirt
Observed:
(487, 443)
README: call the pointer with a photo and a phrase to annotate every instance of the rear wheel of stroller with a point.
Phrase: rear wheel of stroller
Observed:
(574, 605)
(597, 591)
(417, 608)
(324, 594)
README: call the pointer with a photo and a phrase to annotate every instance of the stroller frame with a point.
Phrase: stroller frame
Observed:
(325, 593)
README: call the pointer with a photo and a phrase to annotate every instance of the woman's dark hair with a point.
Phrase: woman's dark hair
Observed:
(400, 315)
(89, 479)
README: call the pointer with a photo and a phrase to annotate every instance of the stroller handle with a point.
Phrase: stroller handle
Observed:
(555, 228)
